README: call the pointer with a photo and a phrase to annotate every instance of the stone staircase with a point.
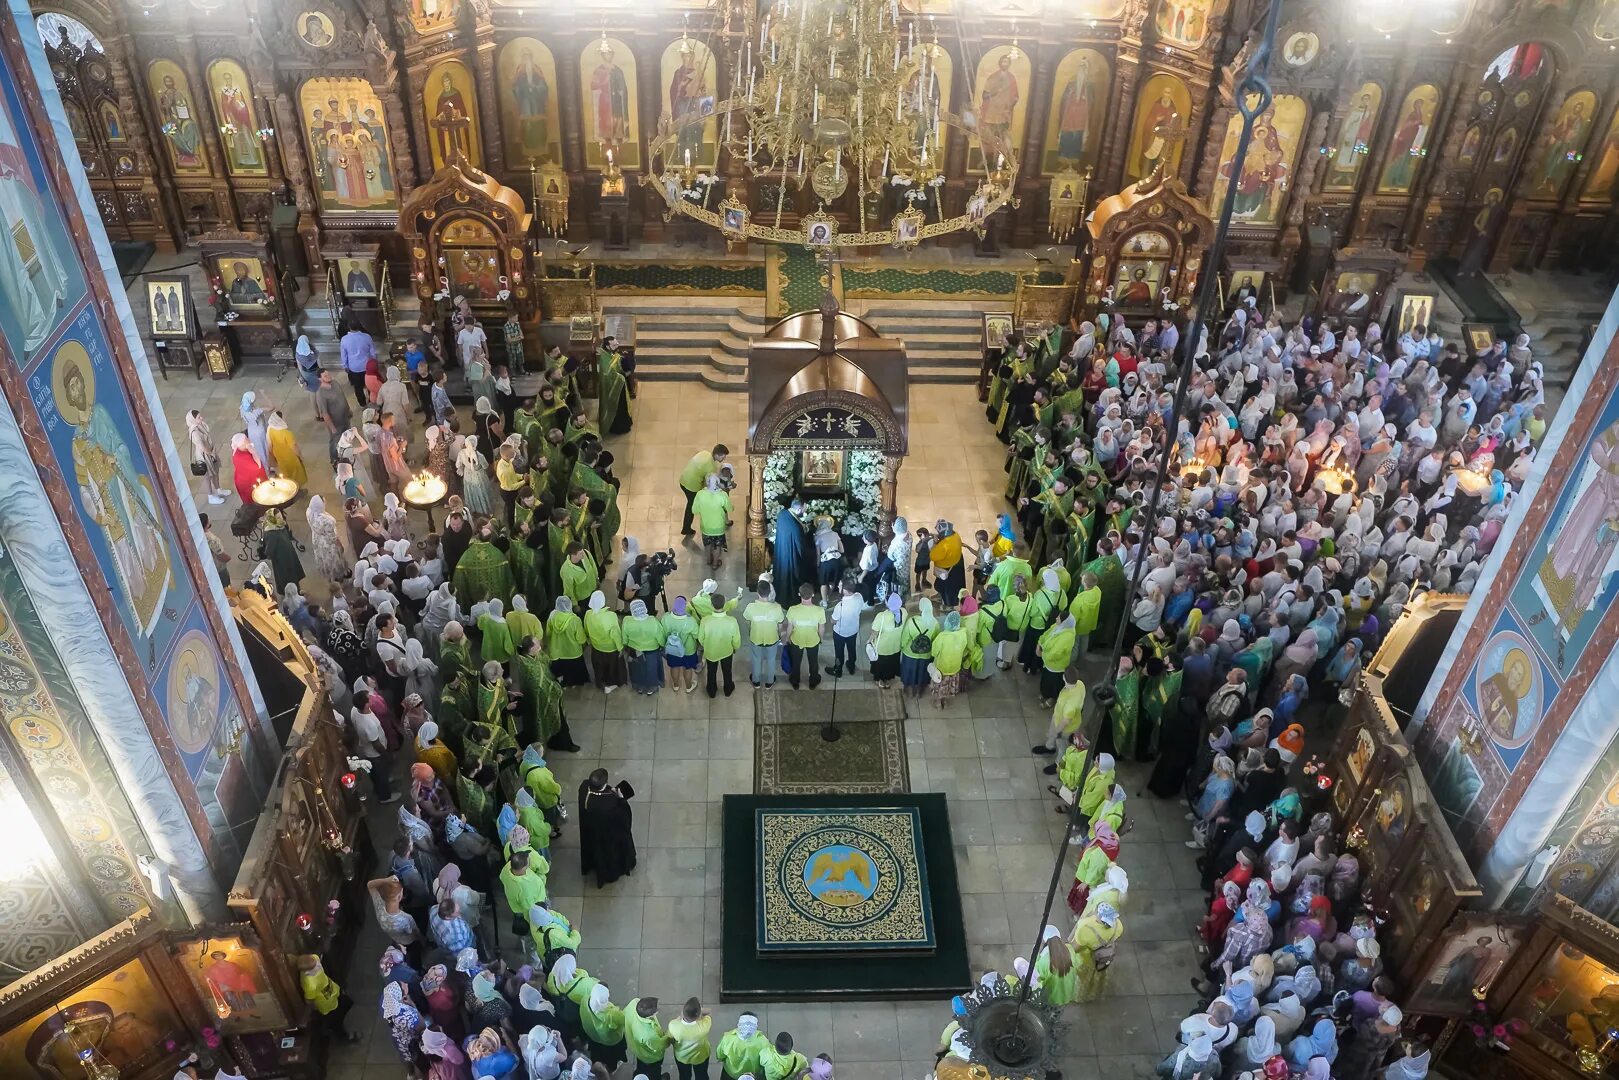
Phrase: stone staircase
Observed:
(706, 339)
(1556, 310)
(315, 320)
(707, 343)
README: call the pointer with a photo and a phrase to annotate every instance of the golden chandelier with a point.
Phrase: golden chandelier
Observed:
(840, 95)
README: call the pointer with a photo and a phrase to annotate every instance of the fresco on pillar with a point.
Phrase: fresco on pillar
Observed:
(106, 480)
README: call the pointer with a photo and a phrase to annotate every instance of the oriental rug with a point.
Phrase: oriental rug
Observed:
(793, 759)
(822, 842)
(849, 880)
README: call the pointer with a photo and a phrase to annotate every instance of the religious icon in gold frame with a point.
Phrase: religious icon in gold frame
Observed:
(820, 230)
(1480, 338)
(908, 229)
(170, 303)
(734, 218)
(821, 470)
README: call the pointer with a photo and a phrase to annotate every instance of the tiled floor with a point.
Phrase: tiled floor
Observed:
(658, 931)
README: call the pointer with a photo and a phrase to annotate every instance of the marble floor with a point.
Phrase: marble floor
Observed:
(658, 931)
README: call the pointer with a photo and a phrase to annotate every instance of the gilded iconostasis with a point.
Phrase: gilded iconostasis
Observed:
(1484, 131)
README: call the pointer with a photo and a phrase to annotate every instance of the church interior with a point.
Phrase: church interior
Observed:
(393, 386)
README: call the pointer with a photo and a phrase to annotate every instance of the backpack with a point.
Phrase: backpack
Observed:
(675, 647)
(922, 642)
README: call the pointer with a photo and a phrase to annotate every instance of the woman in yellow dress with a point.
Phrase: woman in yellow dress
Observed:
(284, 449)
(1094, 939)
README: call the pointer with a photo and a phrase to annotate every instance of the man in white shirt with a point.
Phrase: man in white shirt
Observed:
(471, 336)
(373, 746)
(846, 628)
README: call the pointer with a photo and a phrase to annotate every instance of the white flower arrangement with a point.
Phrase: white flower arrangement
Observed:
(853, 513)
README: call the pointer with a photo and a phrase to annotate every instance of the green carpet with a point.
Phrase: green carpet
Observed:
(801, 283)
(872, 282)
(745, 975)
(705, 278)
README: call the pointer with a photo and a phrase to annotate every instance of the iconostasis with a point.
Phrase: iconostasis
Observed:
(1491, 140)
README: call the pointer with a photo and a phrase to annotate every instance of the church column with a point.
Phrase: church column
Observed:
(1305, 182)
(571, 118)
(757, 562)
(494, 146)
(1031, 188)
(888, 489)
(1109, 175)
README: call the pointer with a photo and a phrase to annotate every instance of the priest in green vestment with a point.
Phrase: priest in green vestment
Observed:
(543, 719)
(483, 572)
(1162, 698)
(1109, 572)
(612, 393)
(494, 705)
(455, 653)
(1125, 712)
(455, 708)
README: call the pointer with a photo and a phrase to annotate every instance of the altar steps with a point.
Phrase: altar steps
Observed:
(696, 343)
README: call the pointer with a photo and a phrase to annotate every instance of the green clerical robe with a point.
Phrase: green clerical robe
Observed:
(612, 393)
(541, 707)
(1109, 573)
(483, 573)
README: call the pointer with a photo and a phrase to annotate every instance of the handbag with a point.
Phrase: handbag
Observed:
(871, 651)
(199, 468)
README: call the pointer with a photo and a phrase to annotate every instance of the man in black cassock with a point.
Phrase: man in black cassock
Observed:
(605, 843)
(790, 562)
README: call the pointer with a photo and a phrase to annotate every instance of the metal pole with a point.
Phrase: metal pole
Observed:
(1254, 83)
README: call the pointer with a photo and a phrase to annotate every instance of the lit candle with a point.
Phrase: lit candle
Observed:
(778, 95)
(688, 157)
(885, 163)
(800, 161)
(750, 146)
(815, 109)
(751, 73)
(868, 63)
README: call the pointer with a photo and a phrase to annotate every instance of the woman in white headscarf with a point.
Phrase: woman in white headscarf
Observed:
(895, 575)
(331, 562)
(421, 674)
(477, 490)
(543, 1052)
(257, 424)
(308, 367)
(440, 611)
(395, 520)
(395, 397)
(603, 1025)
(203, 453)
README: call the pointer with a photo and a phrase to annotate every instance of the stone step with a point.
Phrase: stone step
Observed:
(703, 372)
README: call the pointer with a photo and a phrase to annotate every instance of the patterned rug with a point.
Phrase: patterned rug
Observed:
(799, 280)
(793, 759)
(730, 278)
(874, 281)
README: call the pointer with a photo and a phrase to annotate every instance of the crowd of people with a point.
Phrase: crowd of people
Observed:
(1318, 477)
